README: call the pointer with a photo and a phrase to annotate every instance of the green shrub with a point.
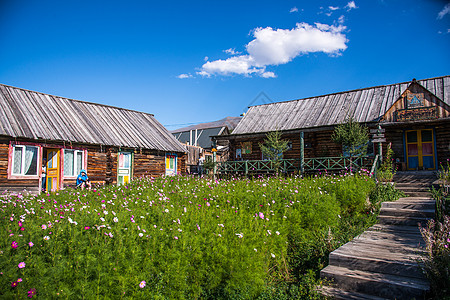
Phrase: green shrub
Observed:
(436, 263)
(186, 237)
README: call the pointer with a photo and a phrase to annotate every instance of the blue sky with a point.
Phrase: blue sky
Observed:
(197, 61)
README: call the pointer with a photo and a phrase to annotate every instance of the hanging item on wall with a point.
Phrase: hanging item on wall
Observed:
(238, 153)
(414, 100)
(246, 147)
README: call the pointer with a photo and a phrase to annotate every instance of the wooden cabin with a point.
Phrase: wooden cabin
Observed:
(46, 140)
(414, 117)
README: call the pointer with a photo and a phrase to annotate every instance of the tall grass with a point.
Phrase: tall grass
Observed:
(180, 238)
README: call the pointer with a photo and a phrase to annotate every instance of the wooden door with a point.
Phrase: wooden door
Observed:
(171, 164)
(420, 149)
(124, 167)
(53, 167)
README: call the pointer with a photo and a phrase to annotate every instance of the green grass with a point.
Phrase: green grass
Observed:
(187, 238)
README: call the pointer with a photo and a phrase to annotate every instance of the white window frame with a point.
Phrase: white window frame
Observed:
(75, 161)
(22, 167)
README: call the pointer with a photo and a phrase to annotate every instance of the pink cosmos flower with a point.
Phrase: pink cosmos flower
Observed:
(31, 293)
(87, 227)
(142, 284)
(44, 226)
(14, 284)
(30, 244)
(14, 245)
(261, 215)
(21, 265)
(19, 280)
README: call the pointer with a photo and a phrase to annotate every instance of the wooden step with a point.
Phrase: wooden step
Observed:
(385, 265)
(424, 204)
(407, 212)
(377, 284)
(336, 293)
(404, 221)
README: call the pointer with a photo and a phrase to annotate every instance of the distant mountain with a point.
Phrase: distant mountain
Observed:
(230, 122)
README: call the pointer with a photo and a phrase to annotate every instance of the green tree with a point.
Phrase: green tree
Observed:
(273, 148)
(352, 136)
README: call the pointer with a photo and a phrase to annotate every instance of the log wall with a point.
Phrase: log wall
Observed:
(101, 166)
(317, 144)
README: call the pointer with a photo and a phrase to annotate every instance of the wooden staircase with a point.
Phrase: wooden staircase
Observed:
(381, 263)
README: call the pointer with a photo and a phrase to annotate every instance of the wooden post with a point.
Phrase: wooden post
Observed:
(302, 152)
(214, 145)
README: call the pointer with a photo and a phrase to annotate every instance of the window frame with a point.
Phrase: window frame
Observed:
(11, 155)
(83, 161)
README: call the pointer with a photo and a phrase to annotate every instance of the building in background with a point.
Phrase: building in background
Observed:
(198, 140)
(46, 140)
(414, 118)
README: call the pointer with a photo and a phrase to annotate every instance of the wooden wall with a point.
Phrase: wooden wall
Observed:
(430, 100)
(101, 166)
(17, 185)
(317, 144)
(443, 142)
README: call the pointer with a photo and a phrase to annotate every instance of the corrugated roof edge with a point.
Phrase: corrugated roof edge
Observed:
(75, 100)
(352, 91)
(184, 150)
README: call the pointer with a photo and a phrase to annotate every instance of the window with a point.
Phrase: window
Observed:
(25, 160)
(73, 162)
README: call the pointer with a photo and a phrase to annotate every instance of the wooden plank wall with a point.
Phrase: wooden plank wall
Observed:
(16, 185)
(443, 109)
(101, 166)
(443, 142)
(317, 144)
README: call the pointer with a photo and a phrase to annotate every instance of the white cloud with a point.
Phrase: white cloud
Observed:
(341, 19)
(232, 51)
(333, 7)
(294, 9)
(184, 76)
(444, 11)
(351, 5)
(206, 58)
(271, 47)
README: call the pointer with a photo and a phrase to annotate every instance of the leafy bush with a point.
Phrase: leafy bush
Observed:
(179, 238)
(387, 170)
(382, 193)
(436, 264)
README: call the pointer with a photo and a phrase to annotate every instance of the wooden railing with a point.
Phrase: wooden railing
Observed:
(292, 165)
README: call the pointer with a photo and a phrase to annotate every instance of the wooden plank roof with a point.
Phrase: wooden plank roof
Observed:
(34, 115)
(365, 105)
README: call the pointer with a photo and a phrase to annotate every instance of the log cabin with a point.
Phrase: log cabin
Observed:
(414, 118)
(46, 140)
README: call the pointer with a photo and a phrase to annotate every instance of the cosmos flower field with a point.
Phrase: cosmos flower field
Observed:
(179, 238)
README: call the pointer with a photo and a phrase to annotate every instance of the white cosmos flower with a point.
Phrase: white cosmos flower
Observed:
(115, 220)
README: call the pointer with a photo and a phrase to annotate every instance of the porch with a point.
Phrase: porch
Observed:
(299, 166)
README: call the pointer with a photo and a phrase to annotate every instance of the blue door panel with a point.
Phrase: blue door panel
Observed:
(413, 162)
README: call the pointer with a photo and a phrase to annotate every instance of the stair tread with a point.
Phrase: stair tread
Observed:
(394, 228)
(337, 293)
(410, 282)
(400, 259)
(426, 210)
